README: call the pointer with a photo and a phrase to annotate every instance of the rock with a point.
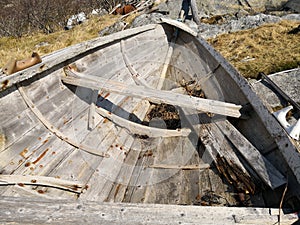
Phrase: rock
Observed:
(208, 8)
(295, 17)
(118, 26)
(246, 22)
(147, 19)
(292, 5)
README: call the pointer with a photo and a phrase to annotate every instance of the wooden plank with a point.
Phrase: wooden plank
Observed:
(54, 130)
(153, 95)
(41, 180)
(118, 151)
(56, 58)
(12, 105)
(40, 211)
(180, 25)
(266, 171)
(139, 129)
(17, 127)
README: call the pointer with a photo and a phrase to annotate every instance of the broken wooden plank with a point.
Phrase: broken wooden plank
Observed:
(153, 95)
(54, 130)
(43, 181)
(265, 170)
(139, 129)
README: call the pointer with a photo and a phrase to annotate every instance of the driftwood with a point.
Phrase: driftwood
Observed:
(139, 129)
(156, 96)
(42, 181)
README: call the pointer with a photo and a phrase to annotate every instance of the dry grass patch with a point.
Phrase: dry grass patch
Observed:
(267, 49)
(24, 46)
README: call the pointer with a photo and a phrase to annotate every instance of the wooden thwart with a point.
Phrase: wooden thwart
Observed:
(153, 95)
(42, 181)
(139, 129)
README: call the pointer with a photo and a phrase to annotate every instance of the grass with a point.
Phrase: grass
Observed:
(23, 47)
(267, 49)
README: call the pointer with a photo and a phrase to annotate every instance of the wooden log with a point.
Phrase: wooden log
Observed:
(40, 211)
(139, 129)
(43, 181)
(153, 95)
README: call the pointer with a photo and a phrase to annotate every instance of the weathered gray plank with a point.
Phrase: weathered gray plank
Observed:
(17, 127)
(153, 95)
(38, 211)
(266, 171)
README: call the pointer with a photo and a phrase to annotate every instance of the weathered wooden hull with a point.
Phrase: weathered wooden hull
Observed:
(54, 129)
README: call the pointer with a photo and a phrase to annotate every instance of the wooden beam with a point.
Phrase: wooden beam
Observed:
(41, 211)
(72, 186)
(139, 129)
(153, 95)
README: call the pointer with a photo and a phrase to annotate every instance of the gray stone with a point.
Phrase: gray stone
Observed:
(246, 22)
(118, 26)
(147, 19)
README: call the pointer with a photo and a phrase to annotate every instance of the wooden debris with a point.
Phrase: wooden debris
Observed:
(42, 181)
(153, 95)
(139, 129)
(265, 170)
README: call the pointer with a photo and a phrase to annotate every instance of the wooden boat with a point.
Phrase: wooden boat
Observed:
(148, 115)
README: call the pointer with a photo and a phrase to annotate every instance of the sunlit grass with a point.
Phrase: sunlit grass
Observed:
(23, 47)
(267, 49)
